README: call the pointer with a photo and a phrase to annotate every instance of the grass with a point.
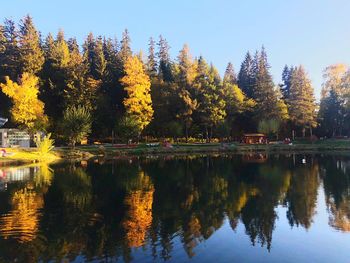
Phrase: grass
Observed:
(28, 155)
(88, 151)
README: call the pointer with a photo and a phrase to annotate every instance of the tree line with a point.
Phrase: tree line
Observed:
(49, 83)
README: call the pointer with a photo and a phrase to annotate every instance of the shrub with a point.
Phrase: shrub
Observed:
(44, 146)
(76, 124)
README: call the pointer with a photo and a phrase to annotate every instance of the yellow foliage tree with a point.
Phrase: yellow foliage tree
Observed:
(27, 109)
(138, 103)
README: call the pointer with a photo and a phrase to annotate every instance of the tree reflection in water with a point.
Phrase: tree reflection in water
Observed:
(106, 211)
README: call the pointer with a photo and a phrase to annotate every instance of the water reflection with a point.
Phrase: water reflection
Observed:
(94, 210)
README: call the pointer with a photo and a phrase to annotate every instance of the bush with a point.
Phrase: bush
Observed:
(128, 128)
(76, 124)
(44, 146)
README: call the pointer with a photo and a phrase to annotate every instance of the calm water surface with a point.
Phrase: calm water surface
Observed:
(253, 208)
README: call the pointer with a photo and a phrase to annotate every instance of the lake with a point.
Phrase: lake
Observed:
(200, 208)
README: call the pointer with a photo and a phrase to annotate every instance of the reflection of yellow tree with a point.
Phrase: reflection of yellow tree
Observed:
(44, 175)
(139, 215)
(23, 221)
(340, 215)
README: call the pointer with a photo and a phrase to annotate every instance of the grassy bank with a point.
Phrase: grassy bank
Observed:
(27, 155)
(86, 152)
(141, 149)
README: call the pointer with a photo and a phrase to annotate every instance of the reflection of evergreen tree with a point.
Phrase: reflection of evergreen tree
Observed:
(302, 195)
(336, 179)
(258, 215)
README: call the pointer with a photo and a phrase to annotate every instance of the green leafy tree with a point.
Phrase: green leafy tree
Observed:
(128, 128)
(76, 124)
(270, 127)
(211, 102)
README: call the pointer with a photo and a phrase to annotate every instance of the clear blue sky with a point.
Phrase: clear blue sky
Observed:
(315, 33)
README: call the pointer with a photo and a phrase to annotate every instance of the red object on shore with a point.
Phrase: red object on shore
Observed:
(254, 138)
(3, 152)
(134, 145)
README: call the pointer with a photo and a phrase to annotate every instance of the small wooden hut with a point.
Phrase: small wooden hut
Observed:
(254, 138)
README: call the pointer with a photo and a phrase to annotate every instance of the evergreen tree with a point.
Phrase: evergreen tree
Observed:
(125, 49)
(10, 60)
(31, 54)
(54, 75)
(286, 81)
(332, 114)
(246, 76)
(301, 103)
(230, 75)
(152, 64)
(5, 101)
(264, 90)
(94, 56)
(165, 72)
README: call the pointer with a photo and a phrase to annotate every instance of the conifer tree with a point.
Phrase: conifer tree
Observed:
(246, 76)
(230, 75)
(31, 54)
(286, 81)
(152, 65)
(10, 60)
(264, 91)
(301, 103)
(138, 103)
(165, 71)
(125, 49)
(54, 75)
(94, 56)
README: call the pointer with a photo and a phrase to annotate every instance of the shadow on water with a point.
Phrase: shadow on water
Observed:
(106, 210)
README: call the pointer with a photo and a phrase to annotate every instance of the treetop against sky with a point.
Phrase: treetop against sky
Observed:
(314, 33)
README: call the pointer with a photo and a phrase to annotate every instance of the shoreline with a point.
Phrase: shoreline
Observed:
(24, 156)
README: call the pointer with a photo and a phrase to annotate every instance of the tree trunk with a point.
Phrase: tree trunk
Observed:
(293, 134)
(311, 132)
(186, 133)
(206, 134)
(303, 131)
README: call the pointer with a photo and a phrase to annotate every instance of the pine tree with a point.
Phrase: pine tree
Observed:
(10, 60)
(125, 49)
(54, 75)
(264, 90)
(138, 103)
(230, 75)
(286, 81)
(165, 72)
(301, 103)
(31, 54)
(93, 54)
(246, 76)
(332, 114)
(152, 65)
